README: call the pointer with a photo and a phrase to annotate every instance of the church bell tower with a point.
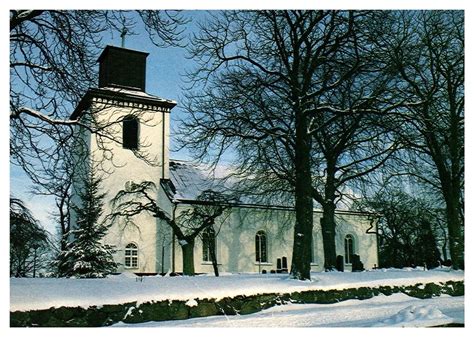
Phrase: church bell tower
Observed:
(132, 144)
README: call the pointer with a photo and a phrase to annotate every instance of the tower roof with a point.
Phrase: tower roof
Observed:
(122, 76)
(121, 67)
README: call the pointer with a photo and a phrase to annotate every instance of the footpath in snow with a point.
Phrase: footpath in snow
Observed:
(42, 293)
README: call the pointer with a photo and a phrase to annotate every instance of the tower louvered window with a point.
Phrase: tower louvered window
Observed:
(130, 133)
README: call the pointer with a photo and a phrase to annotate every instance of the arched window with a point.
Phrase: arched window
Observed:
(208, 244)
(348, 248)
(130, 133)
(261, 247)
(131, 256)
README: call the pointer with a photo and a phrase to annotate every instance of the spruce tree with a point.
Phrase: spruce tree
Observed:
(86, 256)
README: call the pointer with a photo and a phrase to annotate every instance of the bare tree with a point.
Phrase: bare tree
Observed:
(55, 179)
(351, 140)
(141, 198)
(53, 57)
(426, 50)
(29, 242)
(210, 210)
(406, 228)
(294, 95)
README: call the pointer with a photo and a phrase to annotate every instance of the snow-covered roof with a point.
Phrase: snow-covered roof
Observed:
(137, 93)
(191, 179)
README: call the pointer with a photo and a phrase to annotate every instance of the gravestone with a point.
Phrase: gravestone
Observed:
(339, 263)
(284, 268)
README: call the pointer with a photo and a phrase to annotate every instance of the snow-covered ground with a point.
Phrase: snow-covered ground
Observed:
(397, 310)
(29, 294)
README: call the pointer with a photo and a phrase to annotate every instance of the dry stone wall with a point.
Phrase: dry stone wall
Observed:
(134, 312)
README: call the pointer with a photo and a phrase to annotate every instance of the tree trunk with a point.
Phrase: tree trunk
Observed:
(301, 260)
(328, 221)
(328, 228)
(451, 188)
(212, 246)
(188, 257)
(64, 217)
(456, 239)
(445, 249)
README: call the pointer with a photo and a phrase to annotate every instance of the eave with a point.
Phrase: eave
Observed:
(117, 98)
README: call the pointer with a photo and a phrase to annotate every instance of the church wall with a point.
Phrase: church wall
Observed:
(236, 241)
(365, 244)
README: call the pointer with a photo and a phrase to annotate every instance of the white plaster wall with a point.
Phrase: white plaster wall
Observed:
(236, 241)
(120, 165)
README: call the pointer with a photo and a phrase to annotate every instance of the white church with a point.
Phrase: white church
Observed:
(251, 238)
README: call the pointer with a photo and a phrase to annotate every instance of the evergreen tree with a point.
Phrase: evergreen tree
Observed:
(428, 253)
(86, 256)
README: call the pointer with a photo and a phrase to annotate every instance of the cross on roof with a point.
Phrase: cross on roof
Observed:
(122, 35)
